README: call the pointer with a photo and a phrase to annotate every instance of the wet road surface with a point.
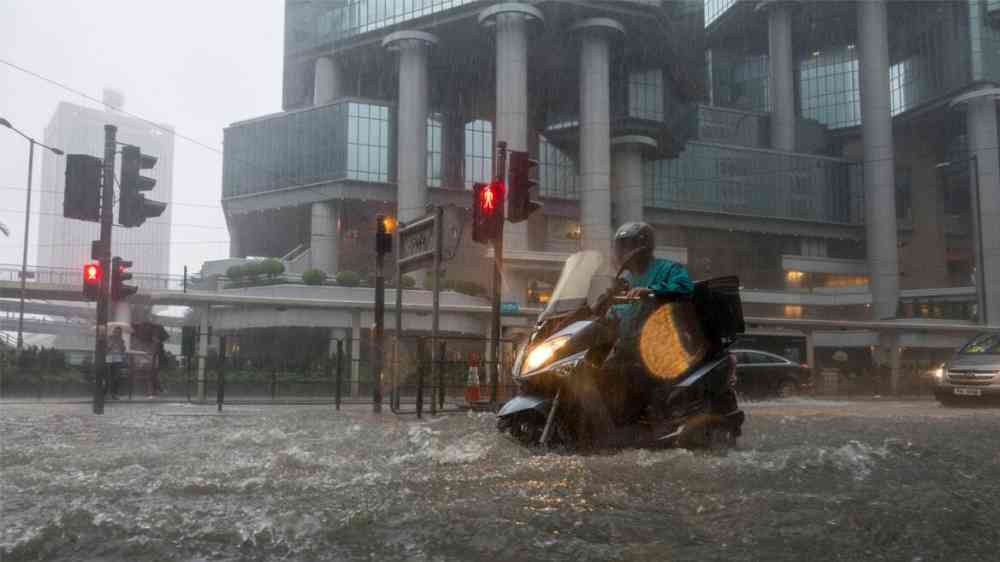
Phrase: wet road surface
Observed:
(810, 480)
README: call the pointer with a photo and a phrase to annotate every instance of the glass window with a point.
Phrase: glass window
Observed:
(985, 344)
(715, 8)
(478, 152)
(828, 86)
(434, 132)
(557, 172)
(752, 182)
(645, 95)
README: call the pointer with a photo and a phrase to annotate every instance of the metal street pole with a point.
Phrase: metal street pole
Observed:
(104, 257)
(980, 269)
(24, 253)
(378, 334)
(500, 174)
(27, 223)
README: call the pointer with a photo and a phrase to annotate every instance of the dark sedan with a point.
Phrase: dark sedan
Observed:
(760, 373)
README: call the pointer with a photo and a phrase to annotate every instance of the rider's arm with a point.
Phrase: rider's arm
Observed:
(672, 278)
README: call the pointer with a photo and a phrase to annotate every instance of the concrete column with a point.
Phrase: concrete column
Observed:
(890, 359)
(411, 120)
(356, 354)
(324, 236)
(202, 349)
(781, 78)
(627, 176)
(879, 171)
(235, 240)
(510, 21)
(595, 131)
(327, 81)
(926, 266)
(982, 138)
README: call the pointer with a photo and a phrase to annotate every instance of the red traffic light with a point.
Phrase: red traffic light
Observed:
(92, 273)
(491, 197)
(91, 280)
(487, 211)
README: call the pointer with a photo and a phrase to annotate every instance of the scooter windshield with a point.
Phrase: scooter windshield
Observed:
(575, 286)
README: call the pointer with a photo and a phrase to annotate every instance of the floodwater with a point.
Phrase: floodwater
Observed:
(810, 481)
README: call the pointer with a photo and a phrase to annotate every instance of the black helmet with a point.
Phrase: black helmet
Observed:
(633, 245)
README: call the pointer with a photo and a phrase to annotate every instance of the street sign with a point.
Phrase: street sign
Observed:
(416, 244)
(509, 308)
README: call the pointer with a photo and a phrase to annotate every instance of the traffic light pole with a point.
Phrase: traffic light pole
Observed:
(104, 257)
(378, 338)
(500, 174)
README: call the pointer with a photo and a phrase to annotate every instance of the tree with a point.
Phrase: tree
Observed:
(408, 282)
(314, 277)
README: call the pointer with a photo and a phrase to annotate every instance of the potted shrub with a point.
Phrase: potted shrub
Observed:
(348, 279)
(314, 277)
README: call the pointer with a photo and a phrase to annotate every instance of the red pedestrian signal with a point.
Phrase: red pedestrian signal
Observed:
(487, 211)
(92, 280)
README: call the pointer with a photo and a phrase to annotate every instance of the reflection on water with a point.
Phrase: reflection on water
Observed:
(168, 483)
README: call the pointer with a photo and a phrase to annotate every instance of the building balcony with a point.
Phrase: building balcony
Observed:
(763, 183)
(346, 140)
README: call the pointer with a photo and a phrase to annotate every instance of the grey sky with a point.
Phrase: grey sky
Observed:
(196, 64)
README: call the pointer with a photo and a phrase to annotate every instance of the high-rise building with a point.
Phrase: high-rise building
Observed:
(840, 157)
(66, 243)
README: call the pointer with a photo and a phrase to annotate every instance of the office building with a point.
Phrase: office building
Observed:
(66, 243)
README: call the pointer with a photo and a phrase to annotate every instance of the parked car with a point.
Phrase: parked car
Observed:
(760, 373)
(973, 373)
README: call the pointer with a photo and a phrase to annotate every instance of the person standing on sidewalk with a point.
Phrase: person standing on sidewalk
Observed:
(116, 358)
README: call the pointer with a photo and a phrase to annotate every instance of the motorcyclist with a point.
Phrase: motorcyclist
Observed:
(646, 275)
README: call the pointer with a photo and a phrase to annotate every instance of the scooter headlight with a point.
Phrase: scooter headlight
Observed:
(543, 353)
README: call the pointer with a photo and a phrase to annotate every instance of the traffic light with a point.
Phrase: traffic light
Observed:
(92, 280)
(384, 227)
(119, 275)
(520, 206)
(487, 211)
(82, 194)
(133, 207)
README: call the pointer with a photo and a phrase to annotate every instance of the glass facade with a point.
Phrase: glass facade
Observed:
(478, 152)
(645, 95)
(715, 8)
(368, 142)
(829, 87)
(984, 41)
(557, 171)
(434, 153)
(718, 178)
(347, 140)
(312, 23)
(740, 81)
(731, 126)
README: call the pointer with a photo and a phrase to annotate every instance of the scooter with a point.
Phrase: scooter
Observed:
(682, 395)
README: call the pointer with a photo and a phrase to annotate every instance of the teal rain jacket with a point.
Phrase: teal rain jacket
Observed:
(662, 277)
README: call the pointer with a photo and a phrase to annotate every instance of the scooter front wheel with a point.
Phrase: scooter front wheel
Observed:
(525, 427)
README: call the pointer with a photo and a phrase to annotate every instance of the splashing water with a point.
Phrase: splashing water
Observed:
(311, 484)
